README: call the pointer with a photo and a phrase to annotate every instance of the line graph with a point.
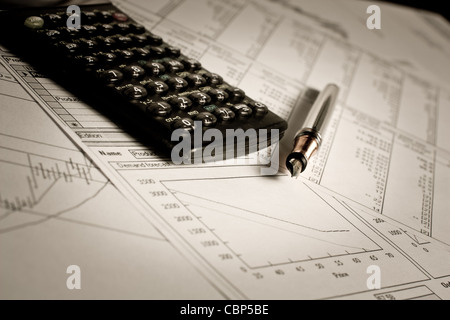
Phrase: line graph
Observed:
(285, 230)
(40, 182)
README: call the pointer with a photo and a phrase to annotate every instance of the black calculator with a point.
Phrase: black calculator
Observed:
(146, 86)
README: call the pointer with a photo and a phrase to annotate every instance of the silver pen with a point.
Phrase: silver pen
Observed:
(309, 138)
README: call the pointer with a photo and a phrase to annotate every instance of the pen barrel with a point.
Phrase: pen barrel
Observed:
(307, 141)
(300, 112)
(322, 109)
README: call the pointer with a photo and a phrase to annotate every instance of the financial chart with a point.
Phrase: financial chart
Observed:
(373, 196)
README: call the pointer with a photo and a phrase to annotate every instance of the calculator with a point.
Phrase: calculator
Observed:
(146, 86)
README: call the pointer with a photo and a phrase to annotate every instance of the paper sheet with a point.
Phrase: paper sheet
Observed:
(57, 209)
(374, 195)
(415, 40)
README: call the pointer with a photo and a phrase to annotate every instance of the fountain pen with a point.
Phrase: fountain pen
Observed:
(309, 138)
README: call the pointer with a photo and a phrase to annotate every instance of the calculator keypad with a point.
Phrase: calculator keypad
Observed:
(141, 70)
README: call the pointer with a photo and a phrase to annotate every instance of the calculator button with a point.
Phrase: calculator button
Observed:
(120, 17)
(88, 44)
(213, 78)
(158, 87)
(195, 80)
(122, 27)
(139, 39)
(224, 114)
(89, 17)
(53, 20)
(141, 53)
(71, 33)
(218, 95)
(124, 41)
(88, 61)
(135, 92)
(125, 54)
(200, 98)
(88, 29)
(155, 68)
(191, 64)
(53, 34)
(174, 66)
(108, 57)
(34, 22)
(157, 52)
(105, 16)
(259, 108)
(154, 39)
(106, 42)
(242, 110)
(173, 51)
(137, 28)
(70, 48)
(105, 29)
(237, 95)
(184, 123)
(181, 103)
(178, 84)
(207, 119)
(134, 71)
(162, 109)
(112, 76)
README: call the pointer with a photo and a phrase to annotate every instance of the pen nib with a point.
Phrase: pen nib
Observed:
(295, 167)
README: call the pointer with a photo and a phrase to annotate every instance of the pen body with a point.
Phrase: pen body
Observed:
(307, 140)
(321, 111)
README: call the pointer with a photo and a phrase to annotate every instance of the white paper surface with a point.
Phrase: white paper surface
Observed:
(57, 209)
(374, 195)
